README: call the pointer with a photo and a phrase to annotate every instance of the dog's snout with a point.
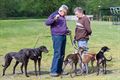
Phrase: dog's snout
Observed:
(46, 51)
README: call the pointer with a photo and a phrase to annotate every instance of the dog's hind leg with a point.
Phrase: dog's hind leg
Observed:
(7, 63)
(86, 68)
(15, 66)
(92, 66)
(21, 68)
(98, 65)
(71, 69)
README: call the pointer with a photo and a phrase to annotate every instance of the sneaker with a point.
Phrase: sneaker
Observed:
(65, 73)
(54, 74)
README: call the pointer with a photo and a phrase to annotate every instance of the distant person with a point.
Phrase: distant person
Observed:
(82, 31)
(59, 30)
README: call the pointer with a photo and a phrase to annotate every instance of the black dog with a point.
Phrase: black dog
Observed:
(19, 57)
(101, 59)
(73, 59)
(23, 56)
(36, 55)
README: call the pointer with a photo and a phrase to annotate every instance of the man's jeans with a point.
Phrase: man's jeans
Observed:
(59, 43)
(84, 44)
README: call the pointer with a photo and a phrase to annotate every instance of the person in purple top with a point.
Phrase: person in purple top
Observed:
(59, 30)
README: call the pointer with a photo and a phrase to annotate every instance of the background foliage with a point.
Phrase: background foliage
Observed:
(42, 8)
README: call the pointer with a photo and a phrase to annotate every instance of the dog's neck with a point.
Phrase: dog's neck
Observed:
(39, 52)
(101, 51)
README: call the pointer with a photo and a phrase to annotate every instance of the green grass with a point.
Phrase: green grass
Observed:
(18, 34)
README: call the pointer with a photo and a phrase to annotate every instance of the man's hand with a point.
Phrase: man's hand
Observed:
(74, 41)
(68, 32)
(56, 17)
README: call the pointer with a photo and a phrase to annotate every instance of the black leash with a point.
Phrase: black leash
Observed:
(74, 45)
(36, 41)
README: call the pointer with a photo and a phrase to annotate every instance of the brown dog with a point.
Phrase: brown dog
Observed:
(73, 59)
(87, 57)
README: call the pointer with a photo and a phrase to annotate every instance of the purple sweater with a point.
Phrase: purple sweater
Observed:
(58, 27)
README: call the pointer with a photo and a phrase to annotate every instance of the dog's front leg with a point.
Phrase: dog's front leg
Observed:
(35, 62)
(92, 70)
(15, 66)
(39, 64)
(25, 65)
(71, 69)
(64, 66)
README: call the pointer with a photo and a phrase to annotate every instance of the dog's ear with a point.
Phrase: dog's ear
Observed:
(44, 49)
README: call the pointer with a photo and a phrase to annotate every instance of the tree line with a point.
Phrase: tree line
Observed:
(43, 8)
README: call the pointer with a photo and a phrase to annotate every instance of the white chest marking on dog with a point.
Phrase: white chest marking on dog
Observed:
(13, 57)
(39, 57)
(82, 56)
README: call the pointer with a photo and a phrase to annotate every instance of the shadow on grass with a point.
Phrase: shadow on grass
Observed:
(30, 73)
(42, 72)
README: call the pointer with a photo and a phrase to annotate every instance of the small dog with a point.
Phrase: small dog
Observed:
(73, 59)
(19, 57)
(101, 59)
(23, 56)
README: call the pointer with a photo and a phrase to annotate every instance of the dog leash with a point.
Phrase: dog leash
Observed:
(36, 41)
(74, 45)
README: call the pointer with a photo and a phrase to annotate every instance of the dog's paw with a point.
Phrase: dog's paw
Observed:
(3, 74)
(27, 76)
(105, 72)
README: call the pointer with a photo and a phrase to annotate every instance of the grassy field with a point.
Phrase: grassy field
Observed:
(18, 34)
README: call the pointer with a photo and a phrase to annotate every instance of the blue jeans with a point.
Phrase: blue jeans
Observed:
(84, 43)
(59, 43)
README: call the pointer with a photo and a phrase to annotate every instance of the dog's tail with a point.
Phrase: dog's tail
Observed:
(8, 58)
(109, 59)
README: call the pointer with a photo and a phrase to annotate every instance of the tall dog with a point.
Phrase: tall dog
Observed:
(101, 59)
(21, 56)
(36, 56)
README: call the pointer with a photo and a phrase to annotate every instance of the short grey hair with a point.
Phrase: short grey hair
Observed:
(79, 9)
(63, 7)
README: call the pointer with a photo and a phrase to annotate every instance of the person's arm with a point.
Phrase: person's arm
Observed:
(53, 17)
(87, 26)
(50, 20)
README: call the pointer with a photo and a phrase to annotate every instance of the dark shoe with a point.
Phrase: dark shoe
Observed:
(54, 74)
